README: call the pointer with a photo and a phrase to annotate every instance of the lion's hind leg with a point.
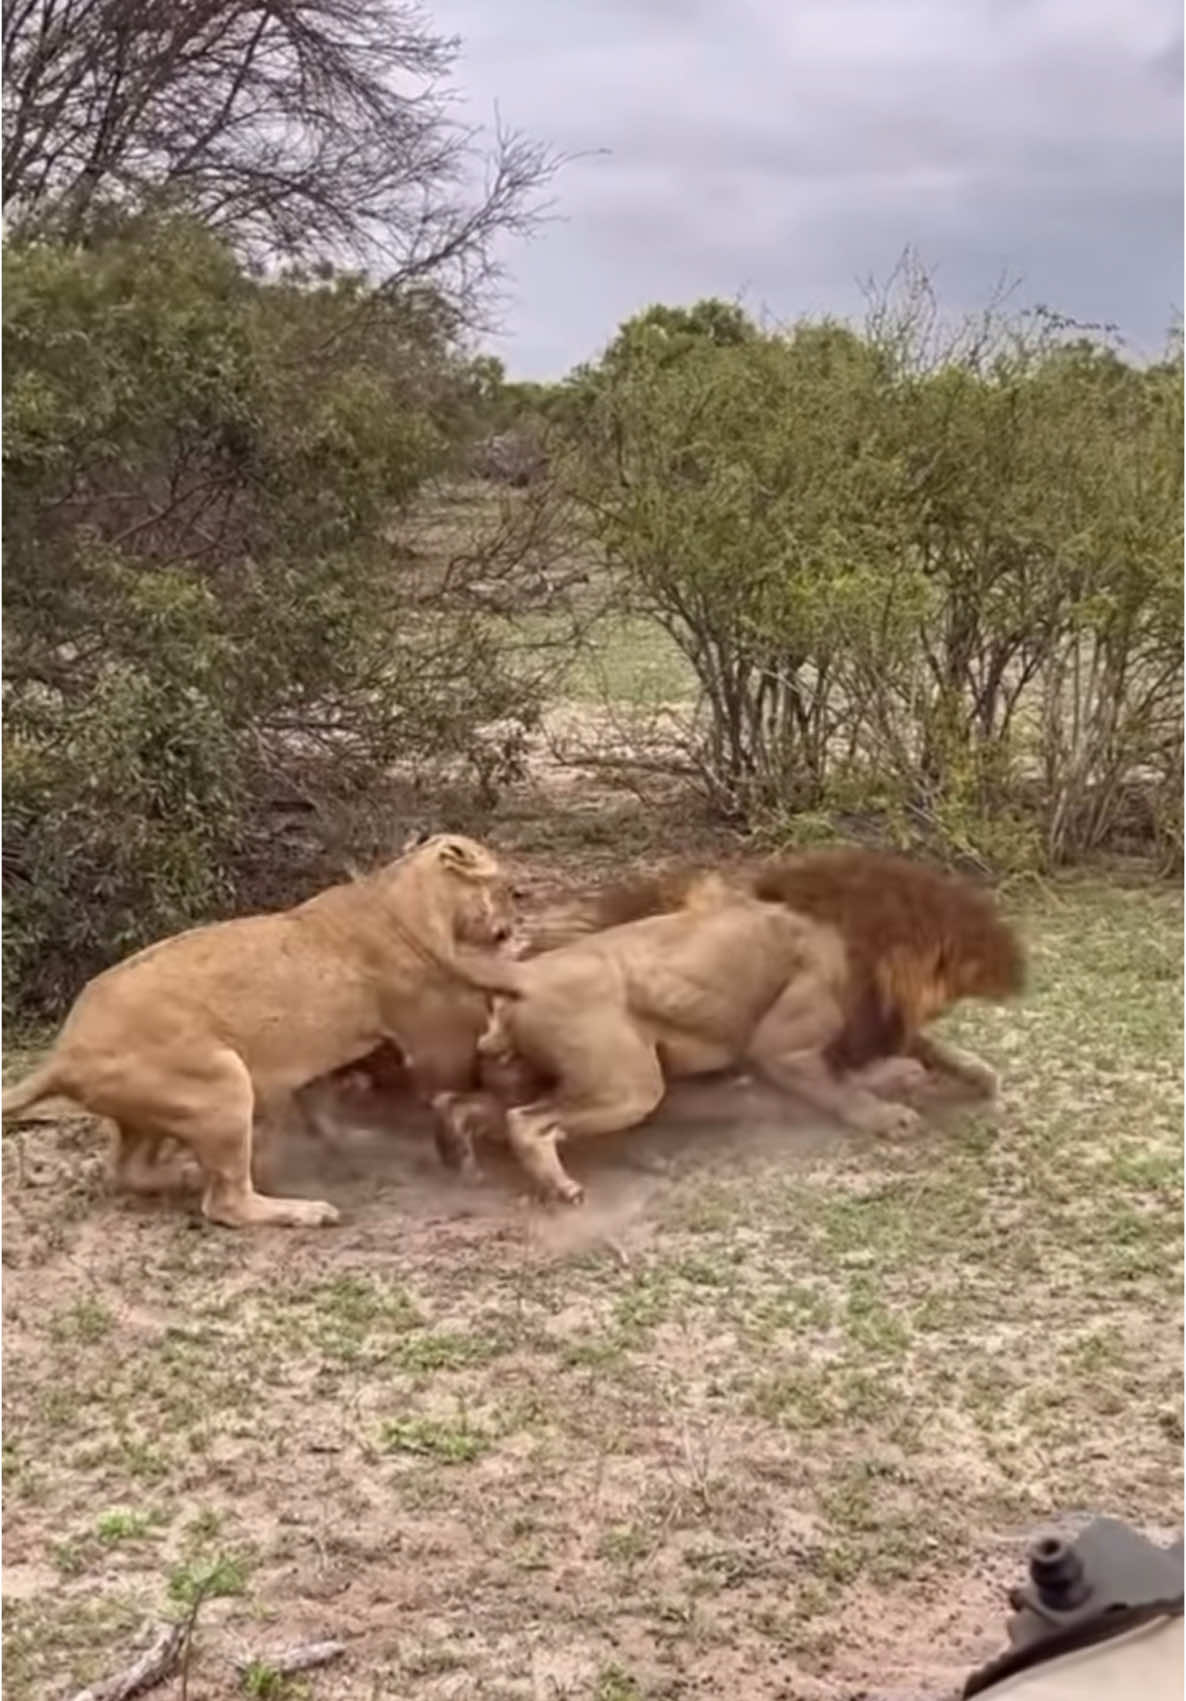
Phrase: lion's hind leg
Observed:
(207, 1106)
(608, 1077)
(457, 1119)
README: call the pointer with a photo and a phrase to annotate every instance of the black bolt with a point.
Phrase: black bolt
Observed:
(1057, 1574)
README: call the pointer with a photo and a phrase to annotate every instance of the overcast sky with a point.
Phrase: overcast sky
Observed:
(781, 150)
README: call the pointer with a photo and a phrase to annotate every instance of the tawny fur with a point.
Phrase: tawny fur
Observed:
(187, 1039)
(916, 941)
(607, 1020)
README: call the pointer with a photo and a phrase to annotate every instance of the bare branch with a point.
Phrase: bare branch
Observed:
(302, 129)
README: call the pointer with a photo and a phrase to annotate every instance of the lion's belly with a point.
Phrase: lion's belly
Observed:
(690, 1054)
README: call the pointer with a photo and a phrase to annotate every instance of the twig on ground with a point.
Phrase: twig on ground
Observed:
(156, 1663)
(187, 1632)
(618, 1250)
(303, 1657)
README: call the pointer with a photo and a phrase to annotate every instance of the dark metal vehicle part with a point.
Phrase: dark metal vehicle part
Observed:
(1099, 1616)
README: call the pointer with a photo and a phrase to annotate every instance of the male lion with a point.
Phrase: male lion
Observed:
(918, 940)
(821, 970)
(187, 1038)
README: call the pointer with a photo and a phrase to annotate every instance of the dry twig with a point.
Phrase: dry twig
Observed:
(156, 1663)
(303, 1657)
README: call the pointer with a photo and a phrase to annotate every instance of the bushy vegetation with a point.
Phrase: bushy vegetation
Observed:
(210, 608)
(935, 580)
(216, 607)
(930, 582)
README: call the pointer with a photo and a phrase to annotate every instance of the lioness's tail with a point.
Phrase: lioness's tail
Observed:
(43, 1083)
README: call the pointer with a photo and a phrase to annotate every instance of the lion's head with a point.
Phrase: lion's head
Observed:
(478, 895)
(918, 938)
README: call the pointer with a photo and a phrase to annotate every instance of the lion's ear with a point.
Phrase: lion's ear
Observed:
(418, 836)
(464, 857)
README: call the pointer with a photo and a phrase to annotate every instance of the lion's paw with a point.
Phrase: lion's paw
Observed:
(983, 1080)
(891, 1120)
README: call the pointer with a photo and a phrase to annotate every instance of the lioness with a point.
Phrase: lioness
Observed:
(187, 1038)
(822, 971)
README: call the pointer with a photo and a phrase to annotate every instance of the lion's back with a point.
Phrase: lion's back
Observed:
(226, 974)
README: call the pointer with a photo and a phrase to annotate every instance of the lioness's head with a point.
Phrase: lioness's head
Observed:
(477, 895)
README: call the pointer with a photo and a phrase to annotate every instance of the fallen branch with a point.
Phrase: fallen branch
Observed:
(303, 1657)
(157, 1662)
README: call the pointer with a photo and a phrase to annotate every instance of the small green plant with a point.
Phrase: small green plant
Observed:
(266, 1683)
(203, 1527)
(614, 1684)
(69, 1559)
(86, 1320)
(122, 1525)
(452, 1443)
(222, 1574)
(625, 1544)
(442, 1350)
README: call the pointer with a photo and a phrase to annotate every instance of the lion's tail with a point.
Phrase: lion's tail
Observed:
(46, 1082)
(631, 900)
(563, 924)
(707, 892)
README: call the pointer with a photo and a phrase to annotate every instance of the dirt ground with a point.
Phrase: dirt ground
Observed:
(771, 1416)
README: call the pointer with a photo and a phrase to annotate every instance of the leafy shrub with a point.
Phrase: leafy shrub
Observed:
(211, 601)
(936, 582)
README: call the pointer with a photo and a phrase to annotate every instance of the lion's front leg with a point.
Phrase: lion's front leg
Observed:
(895, 1077)
(961, 1065)
(789, 1046)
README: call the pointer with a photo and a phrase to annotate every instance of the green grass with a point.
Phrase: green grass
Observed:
(810, 1383)
(630, 660)
(626, 660)
(451, 1443)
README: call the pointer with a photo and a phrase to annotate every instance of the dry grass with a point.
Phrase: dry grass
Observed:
(733, 1431)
